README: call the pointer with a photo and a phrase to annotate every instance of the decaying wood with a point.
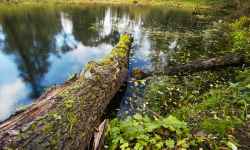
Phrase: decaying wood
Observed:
(100, 135)
(229, 60)
(65, 117)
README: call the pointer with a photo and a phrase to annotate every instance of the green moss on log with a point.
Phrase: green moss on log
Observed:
(75, 110)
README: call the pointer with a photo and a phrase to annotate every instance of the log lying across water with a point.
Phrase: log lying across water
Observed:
(66, 116)
(229, 60)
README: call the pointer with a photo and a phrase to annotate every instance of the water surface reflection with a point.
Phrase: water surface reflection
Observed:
(40, 47)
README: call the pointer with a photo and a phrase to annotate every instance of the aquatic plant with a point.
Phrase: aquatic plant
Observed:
(167, 93)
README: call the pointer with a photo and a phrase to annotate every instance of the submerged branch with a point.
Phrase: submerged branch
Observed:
(229, 60)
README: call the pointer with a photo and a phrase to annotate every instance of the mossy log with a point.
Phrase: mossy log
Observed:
(229, 60)
(215, 63)
(66, 116)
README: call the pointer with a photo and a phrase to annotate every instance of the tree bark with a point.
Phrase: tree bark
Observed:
(99, 136)
(65, 117)
(229, 60)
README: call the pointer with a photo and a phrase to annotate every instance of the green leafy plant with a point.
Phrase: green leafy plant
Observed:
(241, 40)
(240, 34)
(139, 132)
(142, 132)
(241, 23)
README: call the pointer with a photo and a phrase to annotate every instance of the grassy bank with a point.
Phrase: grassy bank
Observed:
(172, 3)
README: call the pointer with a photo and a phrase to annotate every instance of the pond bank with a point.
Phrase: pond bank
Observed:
(167, 3)
(196, 6)
(175, 104)
(203, 110)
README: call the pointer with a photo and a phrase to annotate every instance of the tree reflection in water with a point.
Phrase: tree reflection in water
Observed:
(40, 47)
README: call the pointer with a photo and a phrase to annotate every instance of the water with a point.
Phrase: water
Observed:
(41, 46)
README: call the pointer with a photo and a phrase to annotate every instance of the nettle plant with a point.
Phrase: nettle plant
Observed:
(222, 110)
(142, 132)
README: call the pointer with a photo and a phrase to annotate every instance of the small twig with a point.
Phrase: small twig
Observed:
(154, 113)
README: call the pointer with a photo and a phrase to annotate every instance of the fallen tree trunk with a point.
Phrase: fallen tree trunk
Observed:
(229, 60)
(66, 116)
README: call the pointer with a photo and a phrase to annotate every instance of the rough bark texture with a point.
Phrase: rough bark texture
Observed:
(212, 63)
(230, 60)
(65, 117)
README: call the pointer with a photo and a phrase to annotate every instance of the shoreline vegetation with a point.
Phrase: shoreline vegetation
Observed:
(201, 110)
(202, 4)
(196, 6)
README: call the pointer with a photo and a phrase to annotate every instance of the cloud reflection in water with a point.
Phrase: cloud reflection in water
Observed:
(2, 38)
(125, 23)
(70, 55)
(73, 60)
(12, 87)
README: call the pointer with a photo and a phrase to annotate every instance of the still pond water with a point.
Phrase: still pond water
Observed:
(43, 45)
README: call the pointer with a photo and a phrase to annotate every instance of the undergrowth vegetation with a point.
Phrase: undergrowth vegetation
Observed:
(203, 110)
(203, 119)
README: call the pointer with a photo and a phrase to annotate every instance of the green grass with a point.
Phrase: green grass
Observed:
(176, 3)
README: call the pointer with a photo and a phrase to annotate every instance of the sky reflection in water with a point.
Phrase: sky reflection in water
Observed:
(40, 48)
(69, 56)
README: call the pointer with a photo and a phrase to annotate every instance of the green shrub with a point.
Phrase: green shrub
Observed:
(219, 126)
(222, 108)
(240, 34)
(142, 132)
(138, 132)
(240, 40)
(241, 24)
